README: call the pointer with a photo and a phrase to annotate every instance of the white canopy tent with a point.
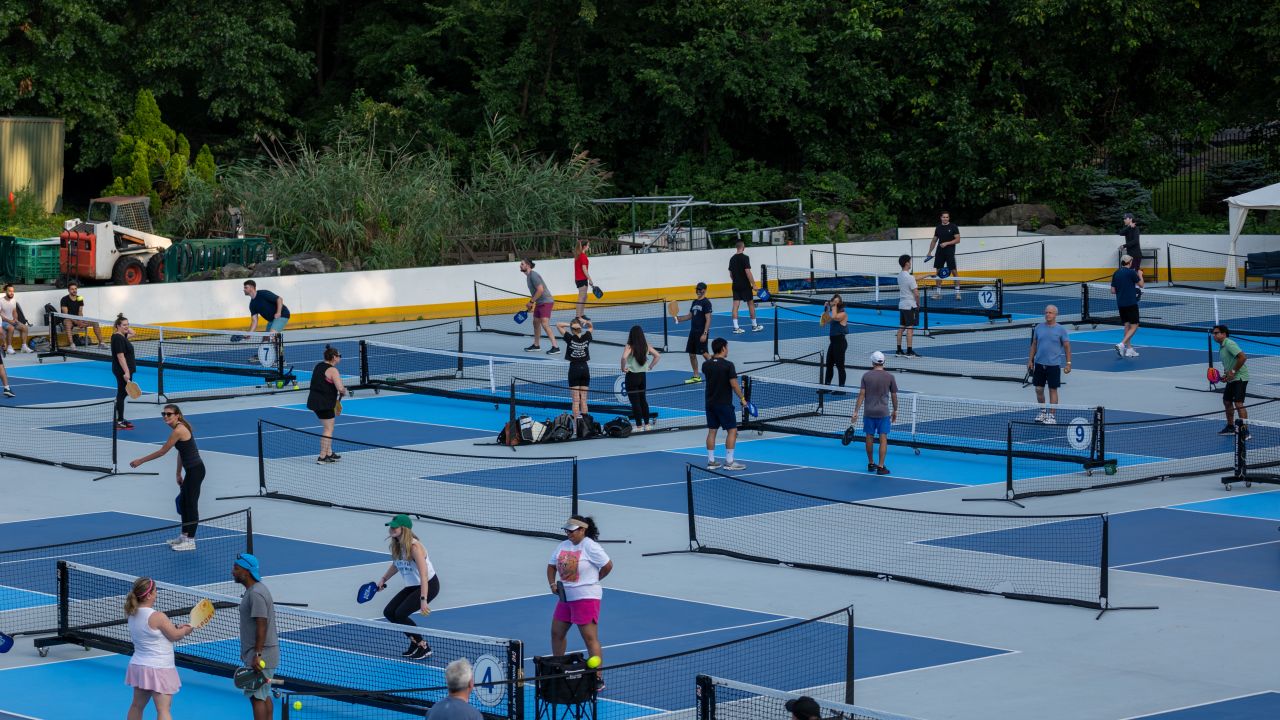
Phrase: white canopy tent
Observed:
(1238, 207)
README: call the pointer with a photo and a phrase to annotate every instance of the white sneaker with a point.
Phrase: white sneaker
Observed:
(185, 546)
(176, 541)
(1050, 419)
(1120, 349)
(937, 296)
(757, 328)
(1130, 352)
(1040, 416)
(738, 331)
(735, 465)
(28, 349)
(958, 296)
(713, 465)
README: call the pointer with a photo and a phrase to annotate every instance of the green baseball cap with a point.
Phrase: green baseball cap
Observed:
(400, 521)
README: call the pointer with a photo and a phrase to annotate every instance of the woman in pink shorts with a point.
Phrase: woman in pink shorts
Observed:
(581, 564)
(151, 673)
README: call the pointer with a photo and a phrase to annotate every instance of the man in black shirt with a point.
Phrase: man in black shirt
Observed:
(73, 304)
(744, 287)
(722, 386)
(267, 304)
(699, 316)
(945, 238)
(1132, 247)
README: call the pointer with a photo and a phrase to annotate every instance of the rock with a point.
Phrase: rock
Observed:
(837, 220)
(1080, 230)
(234, 271)
(203, 275)
(266, 268)
(329, 263)
(1027, 216)
(1049, 229)
(303, 266)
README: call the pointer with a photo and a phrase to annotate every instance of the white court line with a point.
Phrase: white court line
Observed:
(1196, 554)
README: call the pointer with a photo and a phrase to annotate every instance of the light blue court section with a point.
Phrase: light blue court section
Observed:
(1263, 706)
(1261, 505)
(16, 598)
(929, 465)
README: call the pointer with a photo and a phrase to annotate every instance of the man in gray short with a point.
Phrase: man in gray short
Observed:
(1049, 358)
(259, 645)
(457, 706)
(878, 387)
(541, 302)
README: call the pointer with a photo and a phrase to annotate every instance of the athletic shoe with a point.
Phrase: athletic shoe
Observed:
(326, 460)
(735, 465)
(335, 456)
(1245, 434)
(911, 353)
(8, 393)
(409, 652)
(124, 425)
(1040, 416)
(713, 465)
(1050, 419)
(422, 652)
(554, 351)
(694, 379)
(899, 353)
(253, 360)
(1130, 352)
(27, 349)
(757, 328)
(871, 467)
(1227, 430)
(1120, 349)
(738, 331)
(937, 296)
(185, 546)
(599, 684)
(532, 348)
(176, 541)
(882, 470)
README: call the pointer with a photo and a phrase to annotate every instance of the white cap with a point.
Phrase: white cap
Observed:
(877, 358)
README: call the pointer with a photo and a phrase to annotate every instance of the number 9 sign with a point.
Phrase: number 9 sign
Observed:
(1080, 433)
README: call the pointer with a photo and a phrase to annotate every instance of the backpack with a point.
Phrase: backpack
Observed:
(588, 427)
(510, 434)
(561, 428)
(618, 427)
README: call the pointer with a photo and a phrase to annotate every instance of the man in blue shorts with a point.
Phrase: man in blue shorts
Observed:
(267, 304)
(1049, 358)
(1235, 373)
(878, 387)
(721, 387)
(1126, 285)
(699, 316)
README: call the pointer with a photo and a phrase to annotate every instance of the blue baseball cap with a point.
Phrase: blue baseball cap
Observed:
(250, 563)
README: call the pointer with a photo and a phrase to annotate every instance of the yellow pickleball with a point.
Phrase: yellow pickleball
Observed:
(262, 663)
(593, 662)
(297, 704)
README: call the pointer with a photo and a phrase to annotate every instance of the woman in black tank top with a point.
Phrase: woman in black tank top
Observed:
(190, 474)
(322, 399)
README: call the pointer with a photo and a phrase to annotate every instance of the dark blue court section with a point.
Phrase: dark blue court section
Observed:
(1263, 706)
(1037, 542)
(236, 432)
(656, 481)
(279, 555)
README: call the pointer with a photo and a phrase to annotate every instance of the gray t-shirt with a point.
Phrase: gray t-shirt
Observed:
(1049, 349)
(906, 291)
(451, 708)
(534, 281)
(257, 603)
(876, 388)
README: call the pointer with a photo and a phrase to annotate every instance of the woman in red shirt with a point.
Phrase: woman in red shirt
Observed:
(582, 277)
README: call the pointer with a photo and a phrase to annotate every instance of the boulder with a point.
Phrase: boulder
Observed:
(329, 263)
(234, 271)
(1080, 230)
(266, 268)
(837, 220)
(204, 275)
(303, 266)
(1049, 229)
(1027, 216)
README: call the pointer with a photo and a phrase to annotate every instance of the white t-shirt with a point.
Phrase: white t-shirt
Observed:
(150, 647)
(9, 309)
(906, 291)
(578, 567)
(408, 569)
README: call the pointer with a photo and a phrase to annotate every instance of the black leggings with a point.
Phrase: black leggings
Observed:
(636, 384)
(407, 602)
(120, 395)
(190, 499)
(835, 358)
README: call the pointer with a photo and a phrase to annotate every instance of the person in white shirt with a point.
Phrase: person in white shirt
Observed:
(580, 563)
(908, 305)
(12, 323)
(421, 585)
(151, 673)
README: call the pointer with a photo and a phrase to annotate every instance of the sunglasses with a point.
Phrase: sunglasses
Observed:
(166, 413)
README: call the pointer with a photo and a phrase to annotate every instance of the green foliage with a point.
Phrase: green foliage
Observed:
(26, 216)
(205, 169)
(1234, 178)
(1109, 198)
(150, 158)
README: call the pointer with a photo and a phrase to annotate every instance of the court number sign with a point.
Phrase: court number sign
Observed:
(987, 297)
(489, 676)
(1080, 433)
(619, 390)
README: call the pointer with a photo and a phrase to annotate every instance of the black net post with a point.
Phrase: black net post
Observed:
(706, 698)
(575, 486)
(1099, 442)
(64, 601)
(777, 352)
(1104, 562)
(1008, 462)
(262, 463)
(364, 363)
(475, 294)
(1043, 275)
(850, 676)
(693, 528)
(248, 530)
(515, 688)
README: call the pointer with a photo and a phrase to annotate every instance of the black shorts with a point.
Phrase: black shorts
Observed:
(579, 374)
(945, 258)
(744, 293)
(1050, 375)
(721, 417)
(695, 345)
(324, 414)
(908, 318)
(1129, 314)
(580, 283)
(1234, 391)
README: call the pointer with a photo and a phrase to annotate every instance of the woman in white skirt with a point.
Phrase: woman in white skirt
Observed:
(152, 673)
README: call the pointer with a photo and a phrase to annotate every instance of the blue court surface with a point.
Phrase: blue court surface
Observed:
(1261, 706)
(633, 627)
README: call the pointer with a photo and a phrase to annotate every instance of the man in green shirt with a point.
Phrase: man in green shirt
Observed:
(1236, 375)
